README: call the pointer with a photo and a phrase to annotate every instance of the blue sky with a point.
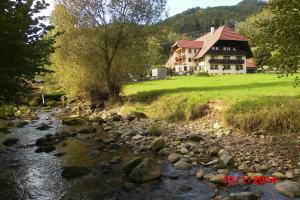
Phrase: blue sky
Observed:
(177, 6)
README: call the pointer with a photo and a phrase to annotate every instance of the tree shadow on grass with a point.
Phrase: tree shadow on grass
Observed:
(150, 96)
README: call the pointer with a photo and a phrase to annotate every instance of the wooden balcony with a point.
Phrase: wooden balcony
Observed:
(231, 52)
(227, 61)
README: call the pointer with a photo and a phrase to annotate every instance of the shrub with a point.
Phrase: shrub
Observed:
(203, 74)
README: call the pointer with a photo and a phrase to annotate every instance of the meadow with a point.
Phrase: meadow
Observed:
(250, 101)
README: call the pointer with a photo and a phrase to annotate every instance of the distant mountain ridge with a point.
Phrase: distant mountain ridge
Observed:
(197, 20)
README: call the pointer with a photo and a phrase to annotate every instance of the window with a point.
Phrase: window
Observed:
(226, 67)
(239, 57)
(234, 49)
(226, 57)
(195, 50)
(214, 67)
(180, 69)
(239, 67)
(228, 48)
(214, 57)
(185, 68)
(190, 50)
(224, 48)
(190, 60)
(217, 48)
(213, 48)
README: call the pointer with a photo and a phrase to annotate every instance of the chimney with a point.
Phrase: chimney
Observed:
(212, 30)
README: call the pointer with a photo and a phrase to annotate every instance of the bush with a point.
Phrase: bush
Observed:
(270, 114)
(203, 74)
(6, 111)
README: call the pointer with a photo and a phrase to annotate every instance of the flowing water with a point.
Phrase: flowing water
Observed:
(25, 174)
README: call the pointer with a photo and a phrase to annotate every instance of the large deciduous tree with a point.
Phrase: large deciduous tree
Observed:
(23, 49)
(109, 36)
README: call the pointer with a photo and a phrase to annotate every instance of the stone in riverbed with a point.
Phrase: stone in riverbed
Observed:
(74, 172)
(10, 141)
(289, 174)
(46, 149)
(199, 173)
(115, 160)
(244, 196)
(137, 137)
(173, 157)
(157, 144)
(43, 127)
(130, 165)
(213, 151)
(147, 170)
(219, 179)
(181, 165)
(164, 152)
(226, 159)
(288, 188)
(278, 175)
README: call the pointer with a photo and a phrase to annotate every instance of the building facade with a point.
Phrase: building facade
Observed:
(221, 51)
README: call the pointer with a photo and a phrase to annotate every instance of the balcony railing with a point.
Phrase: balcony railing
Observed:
(226, 61)
(231, 52)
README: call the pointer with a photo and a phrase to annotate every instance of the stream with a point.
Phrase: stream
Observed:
(25, 174)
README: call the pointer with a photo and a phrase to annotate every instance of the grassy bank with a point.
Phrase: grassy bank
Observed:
(183, 98)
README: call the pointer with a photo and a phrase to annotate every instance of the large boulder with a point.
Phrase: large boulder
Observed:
(219, 179)
(157, 144)
(288, 188)
(147, 170)
(130, 165)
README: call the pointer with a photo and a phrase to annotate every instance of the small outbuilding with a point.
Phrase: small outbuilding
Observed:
(251, 66)
(159, 73)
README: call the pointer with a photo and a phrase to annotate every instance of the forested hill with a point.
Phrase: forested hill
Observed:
(197, 20)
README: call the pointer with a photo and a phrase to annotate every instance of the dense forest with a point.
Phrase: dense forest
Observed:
(197, 21)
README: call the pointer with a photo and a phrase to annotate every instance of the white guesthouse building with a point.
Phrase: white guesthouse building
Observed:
(222, 51)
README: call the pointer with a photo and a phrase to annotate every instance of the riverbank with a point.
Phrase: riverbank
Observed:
(96, 147)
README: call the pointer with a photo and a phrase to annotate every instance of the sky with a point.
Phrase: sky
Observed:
(176, 6)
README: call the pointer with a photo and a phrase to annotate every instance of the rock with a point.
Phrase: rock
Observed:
(223, 171)
(181, 165)
(288, 188)
(137, 137)
(229, 148)
(244, 196)
(71, 121)
(222, 152)
(60, 154)
(199, 173)
(164, 152)
(157, 144)
(219, 179)
(115, 160)
(146, 170)
(138, 115)
(226, 159)
(43, 127)
(130, 165)
(116, 118)
(213, 162)
(195, 138)
(289, 174)
(21, 123)
(74, 172)
(244, 167)
(213, 151)
(128, 186)
(217, 126)
(107, 128)
(297, 172)
(184, 150)
(173, 157)
(94, 153)
(10, 141)
(46, 149)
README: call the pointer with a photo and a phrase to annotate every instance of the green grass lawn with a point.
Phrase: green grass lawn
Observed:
(176, 98)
